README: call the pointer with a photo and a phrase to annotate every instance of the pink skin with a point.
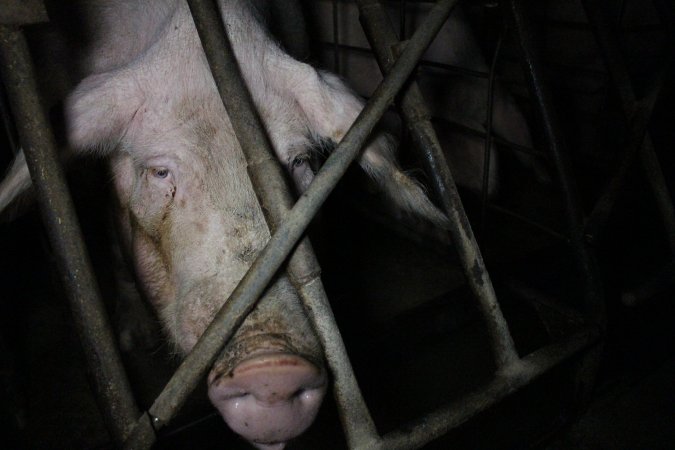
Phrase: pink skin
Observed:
(269, 398)
(189, 220)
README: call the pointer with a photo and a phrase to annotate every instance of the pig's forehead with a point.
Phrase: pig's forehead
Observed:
(190, 117)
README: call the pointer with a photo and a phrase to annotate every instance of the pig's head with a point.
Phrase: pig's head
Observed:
(188, 215)
(193, 227)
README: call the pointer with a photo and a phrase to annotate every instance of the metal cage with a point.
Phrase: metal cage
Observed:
(289, 219)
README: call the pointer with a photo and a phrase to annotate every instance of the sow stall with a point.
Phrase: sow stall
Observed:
(289, 219)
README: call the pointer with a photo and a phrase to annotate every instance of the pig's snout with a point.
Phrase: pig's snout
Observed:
(269, 398)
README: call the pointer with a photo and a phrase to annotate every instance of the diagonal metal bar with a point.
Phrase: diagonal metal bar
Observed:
(382, 37)
(103, 360)
(270, 184)
(243, 299)
(552, 132)
(516, 376)
(608, 42)
(637, 130)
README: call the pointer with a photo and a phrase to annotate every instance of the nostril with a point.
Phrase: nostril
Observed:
(270, 398)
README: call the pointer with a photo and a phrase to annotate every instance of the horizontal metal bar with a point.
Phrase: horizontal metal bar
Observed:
(22, 12)
(481, 134)
(103, 360)
(381, 35)
(507, 212)
(423, 62)
(270, 185)
(289, 232)
(469, 73)
(517, 375)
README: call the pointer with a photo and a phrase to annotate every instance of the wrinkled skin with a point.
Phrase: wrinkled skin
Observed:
(188, 218)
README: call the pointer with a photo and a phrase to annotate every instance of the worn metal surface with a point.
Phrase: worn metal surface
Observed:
(289, 232)
(270, 185)
(112, 388)
(22, 12)
(546, 115)
(381, 35)
(515, 376)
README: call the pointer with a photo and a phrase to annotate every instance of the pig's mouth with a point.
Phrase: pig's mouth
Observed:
(269, 398)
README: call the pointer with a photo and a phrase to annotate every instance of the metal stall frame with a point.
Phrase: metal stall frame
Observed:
(111, 386)
(288, 226)
(639, 144)
(514, 372)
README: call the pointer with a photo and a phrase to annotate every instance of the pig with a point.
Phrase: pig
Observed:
(188, 219)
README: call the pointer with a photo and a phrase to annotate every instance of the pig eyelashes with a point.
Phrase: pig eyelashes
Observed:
(160, 172)
(298, 161)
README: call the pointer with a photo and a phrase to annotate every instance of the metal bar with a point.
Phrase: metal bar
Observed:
(336, 38)
(111, 385)
(517, 375)
(270, 185)
(637, 130)
(496, 139)
(289, 232)
(608, 43)
(488, 131)
(382, 37)
(593, 296)
(468, 73)
(550, 231)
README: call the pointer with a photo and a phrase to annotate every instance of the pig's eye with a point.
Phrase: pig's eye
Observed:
(159, 172)
(299, 161)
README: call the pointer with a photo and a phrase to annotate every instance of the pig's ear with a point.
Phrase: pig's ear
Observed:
(379, 161)
(330, 108)
(100, 110)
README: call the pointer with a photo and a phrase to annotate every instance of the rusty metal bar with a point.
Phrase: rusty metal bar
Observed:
(608, 43)
(270, 185)
(515, 376)
(593, 296)
(289, 232)
(111, 385)
(382, 37)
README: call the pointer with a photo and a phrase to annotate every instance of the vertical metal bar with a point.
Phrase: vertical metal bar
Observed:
(608, 43)
(336, 38)
(242, 300)
(401, 24)
(112, 387)
(637, 130)
(488, 130)
(593, 297)
(270, 185)
(381, 35)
